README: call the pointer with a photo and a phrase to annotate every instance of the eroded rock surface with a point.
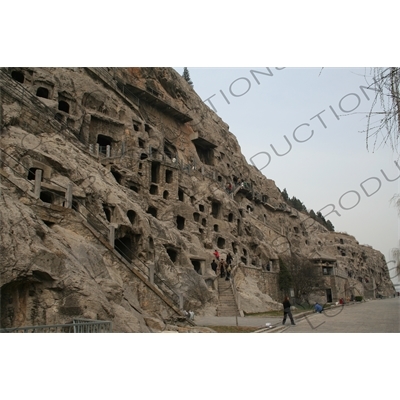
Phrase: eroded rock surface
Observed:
(157, 182)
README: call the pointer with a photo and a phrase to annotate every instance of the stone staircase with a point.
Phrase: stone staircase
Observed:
(227, 304)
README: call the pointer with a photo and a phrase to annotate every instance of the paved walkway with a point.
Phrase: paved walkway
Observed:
(375, 316)
(254, 322)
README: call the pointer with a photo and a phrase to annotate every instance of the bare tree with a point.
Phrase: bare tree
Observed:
(299, 274)
(383, 127)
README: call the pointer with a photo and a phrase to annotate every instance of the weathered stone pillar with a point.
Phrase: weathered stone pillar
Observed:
(38, 182)
(108, 151)
(91, 148)
(151, 273)
(97, 149)
(68, 196)
(112, 235)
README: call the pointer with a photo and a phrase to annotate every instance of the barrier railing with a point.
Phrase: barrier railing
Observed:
(100, 226)
(18, 91)
(236, 295)
(110, 80)
(77, 326)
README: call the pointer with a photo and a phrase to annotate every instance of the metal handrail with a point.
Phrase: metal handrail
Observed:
(77, 326)
(17, 90)
(121, 248)
(236, 295)
(108, 78)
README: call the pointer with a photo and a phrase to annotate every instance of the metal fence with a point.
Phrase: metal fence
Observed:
(77, 326)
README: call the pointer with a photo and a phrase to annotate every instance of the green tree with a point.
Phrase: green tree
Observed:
(330, 226)
(285, 195)
(298, 204)
(312, 214)
(186, 76)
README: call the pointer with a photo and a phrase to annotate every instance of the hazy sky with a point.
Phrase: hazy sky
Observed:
(318, 171)
(331, 165)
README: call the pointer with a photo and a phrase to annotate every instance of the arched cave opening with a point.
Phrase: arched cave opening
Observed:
(152, 211)
(221, 243)
(117, 176)
(42, 92)
(63, 106)
(132, 216)
(180, 222)
(18, 76)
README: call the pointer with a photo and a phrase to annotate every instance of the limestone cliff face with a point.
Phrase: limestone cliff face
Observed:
(140, 183)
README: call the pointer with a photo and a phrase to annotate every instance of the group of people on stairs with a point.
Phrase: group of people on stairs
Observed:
(222, 267)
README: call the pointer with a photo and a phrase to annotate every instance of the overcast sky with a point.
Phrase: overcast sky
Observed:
(326, 167)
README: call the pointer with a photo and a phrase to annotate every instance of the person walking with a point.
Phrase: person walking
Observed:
(216, 254)
(214, 266)
(228, 272)
(229, 259)
(287, 311)
(218, 271)
(222, 266)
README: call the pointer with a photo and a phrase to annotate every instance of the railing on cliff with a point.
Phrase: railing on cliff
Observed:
(16, 90)
(30, 101)
(150, 95)
(236, 294)
(97, 224)
(77, 326)
(19, 92)
(110, 80)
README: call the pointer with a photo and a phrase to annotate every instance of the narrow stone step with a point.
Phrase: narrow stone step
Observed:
(226, 300)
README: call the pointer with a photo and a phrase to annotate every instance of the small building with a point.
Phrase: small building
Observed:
(327, 267)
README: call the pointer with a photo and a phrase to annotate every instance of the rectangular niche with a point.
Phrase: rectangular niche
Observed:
(168, 176)
(205, 150)
(198, 265)
(155, 172)
(153, 189)
(215, 209)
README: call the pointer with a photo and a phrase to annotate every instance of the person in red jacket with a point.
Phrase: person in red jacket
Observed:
(216, 254)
